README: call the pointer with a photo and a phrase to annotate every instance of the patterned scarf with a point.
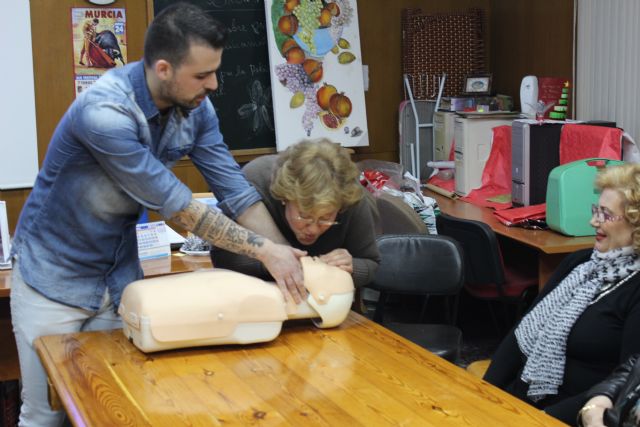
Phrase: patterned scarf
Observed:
(542, 333)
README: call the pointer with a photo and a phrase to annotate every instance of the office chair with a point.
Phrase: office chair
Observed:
(395, 216)
(486, 275)
(421, 265)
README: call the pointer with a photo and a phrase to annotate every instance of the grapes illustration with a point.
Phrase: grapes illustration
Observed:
(305, 31)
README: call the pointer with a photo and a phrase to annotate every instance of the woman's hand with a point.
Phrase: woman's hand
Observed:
(592, 412)
(340, 258)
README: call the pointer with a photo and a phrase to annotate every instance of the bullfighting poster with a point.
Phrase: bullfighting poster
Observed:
(99, 43)
(316, 71)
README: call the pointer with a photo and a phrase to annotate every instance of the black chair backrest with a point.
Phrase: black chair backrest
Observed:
(483, 260)
(419, 264)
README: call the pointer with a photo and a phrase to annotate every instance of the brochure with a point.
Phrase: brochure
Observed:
(5, 240)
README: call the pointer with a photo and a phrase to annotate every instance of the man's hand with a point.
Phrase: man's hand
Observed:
(283, 264)
(339, 258)
(281, 261)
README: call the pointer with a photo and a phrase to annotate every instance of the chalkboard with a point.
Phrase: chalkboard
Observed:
(243, 99)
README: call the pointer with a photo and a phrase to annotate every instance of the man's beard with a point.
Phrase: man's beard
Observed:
(186, 106)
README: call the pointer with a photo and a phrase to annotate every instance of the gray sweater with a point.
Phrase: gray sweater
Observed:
(356, 231)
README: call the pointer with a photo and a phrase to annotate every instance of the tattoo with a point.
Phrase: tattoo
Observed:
(255, 240)
(219, 230)
(204, 223)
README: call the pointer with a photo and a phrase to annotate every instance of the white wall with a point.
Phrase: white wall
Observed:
(18, 139)
(607, 63)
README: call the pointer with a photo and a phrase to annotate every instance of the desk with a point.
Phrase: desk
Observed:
(355, 375)
(9, 366)
(552, 247)
(176, 263)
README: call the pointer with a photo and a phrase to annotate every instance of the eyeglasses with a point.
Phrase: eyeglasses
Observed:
(311, 221)
(603, 216)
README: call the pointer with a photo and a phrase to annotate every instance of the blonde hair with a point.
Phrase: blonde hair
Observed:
(318, 175)
(625, 179)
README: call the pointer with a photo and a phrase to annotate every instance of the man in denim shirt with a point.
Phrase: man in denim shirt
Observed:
(110, 157)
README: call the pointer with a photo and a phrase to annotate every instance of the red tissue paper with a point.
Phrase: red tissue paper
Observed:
(496, 176)
(579, 142)
(516, 216)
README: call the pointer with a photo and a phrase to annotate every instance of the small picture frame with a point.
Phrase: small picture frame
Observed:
(477, 84)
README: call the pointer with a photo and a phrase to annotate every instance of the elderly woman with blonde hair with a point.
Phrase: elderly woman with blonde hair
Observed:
(314, 196)
(586, 320)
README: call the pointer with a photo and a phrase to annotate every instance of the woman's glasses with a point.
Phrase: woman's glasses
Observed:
(311, 221)
(603, 216)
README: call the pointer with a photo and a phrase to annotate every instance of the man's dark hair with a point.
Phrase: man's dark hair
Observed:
(175, 28)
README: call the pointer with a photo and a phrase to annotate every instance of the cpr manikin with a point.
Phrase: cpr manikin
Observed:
(224, 307)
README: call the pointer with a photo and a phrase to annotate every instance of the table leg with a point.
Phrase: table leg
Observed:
(9, 365)
(54, 399)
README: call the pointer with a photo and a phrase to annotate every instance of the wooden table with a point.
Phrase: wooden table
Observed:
(176, 263)
(552, 247)
(9, 366)
(359, 374)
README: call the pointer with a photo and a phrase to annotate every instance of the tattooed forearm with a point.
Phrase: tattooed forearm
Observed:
(219, 230)
(255, 240)
(205, 222)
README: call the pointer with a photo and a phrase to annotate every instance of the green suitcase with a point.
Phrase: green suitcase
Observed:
(570, 194)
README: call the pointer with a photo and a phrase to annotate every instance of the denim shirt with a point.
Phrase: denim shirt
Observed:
(109, 157)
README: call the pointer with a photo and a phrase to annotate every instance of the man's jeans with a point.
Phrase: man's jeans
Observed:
(34, 315)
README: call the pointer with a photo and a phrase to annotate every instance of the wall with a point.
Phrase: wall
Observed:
(530, 38)
(18, 145)
(53, 72)
(380, 38)
(515, 30)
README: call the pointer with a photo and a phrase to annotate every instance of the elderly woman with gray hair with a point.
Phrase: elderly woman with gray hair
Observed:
(586, 320)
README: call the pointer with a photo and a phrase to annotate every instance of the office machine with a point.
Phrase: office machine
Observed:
(535, 151)
(473, 136)
(443, 126)
(529, 96)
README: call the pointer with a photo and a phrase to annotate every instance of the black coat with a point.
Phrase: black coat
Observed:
(622, 387)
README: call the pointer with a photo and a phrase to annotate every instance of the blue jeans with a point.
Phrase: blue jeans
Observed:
(34, 315)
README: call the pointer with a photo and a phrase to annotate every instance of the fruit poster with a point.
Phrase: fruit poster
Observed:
(99, 43)
(316, 71)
